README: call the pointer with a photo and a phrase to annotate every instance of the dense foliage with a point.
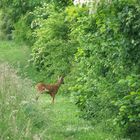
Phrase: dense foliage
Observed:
(12, 12)
(106, 64)
(98, 52)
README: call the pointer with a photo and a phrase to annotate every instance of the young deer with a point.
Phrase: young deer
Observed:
(51, 89)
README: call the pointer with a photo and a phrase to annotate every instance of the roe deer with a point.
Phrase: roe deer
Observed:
(51, 89)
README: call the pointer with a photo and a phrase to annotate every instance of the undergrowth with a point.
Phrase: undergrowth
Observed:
(21, 118)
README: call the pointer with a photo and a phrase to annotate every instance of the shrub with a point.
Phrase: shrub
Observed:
(13, 10)
(108, 53)
(129, 112)
(128, 105)
(22, 31)
(53, 51)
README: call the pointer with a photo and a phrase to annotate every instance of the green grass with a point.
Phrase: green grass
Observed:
(65, 124)
(18, 56)
(64, 121)
(25, 119)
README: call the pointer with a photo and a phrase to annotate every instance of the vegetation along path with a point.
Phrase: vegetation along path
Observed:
(58, 121)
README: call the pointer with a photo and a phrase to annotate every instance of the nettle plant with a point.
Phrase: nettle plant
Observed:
(129, 112)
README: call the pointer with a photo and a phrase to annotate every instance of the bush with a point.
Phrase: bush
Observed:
(22, 31)
(129, 112)
(107, 54)
(13, 11)
(53, 51)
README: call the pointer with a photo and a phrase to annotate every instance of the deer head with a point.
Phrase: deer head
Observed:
(60, 80)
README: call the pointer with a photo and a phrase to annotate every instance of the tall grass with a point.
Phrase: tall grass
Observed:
(20, 116)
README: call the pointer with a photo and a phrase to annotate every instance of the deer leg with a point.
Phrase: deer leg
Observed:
(37, 97)
(53, 99)
(39, 94)
(53, 96)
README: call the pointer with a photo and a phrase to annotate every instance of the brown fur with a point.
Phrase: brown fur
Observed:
(51, 89)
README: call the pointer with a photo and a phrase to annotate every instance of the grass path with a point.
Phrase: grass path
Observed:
(64, 123)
